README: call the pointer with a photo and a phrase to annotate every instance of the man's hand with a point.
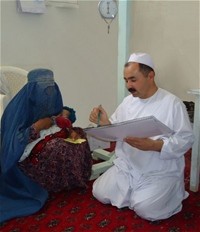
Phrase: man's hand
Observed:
(144, 144)
(103, 120)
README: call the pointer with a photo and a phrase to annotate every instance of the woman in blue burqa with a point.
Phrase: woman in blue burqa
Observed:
(59, 165)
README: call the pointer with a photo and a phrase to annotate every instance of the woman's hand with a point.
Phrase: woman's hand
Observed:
(145, 144)
(74, 135)
(42, 124)
(99, 116)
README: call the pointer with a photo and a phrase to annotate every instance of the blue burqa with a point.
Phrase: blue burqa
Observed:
(39, 98)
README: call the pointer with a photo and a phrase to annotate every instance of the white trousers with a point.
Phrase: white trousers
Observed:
(151, 197)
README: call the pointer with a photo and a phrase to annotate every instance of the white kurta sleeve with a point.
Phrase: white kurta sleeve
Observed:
(182, 139)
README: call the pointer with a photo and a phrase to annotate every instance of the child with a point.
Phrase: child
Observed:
(61, 128)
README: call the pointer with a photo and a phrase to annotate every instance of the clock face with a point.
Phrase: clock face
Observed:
(108, 9)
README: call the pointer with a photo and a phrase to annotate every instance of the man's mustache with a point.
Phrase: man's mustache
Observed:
(131, 90)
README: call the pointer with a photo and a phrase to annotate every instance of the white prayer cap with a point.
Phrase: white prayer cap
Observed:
(142, 58)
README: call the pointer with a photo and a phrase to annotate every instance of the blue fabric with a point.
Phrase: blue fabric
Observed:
(39, 98)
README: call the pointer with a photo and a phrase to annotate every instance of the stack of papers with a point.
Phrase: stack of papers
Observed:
(142, 128)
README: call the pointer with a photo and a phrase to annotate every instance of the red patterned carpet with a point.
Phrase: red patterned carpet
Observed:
(78, 211)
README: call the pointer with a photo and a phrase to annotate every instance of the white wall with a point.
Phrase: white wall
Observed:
(74, 43)
(169, 31)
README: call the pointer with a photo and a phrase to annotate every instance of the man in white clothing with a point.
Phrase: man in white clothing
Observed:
(148, 173)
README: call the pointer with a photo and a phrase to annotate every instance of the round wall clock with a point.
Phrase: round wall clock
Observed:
(108, 9)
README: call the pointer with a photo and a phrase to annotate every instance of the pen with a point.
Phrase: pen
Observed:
(99, 117)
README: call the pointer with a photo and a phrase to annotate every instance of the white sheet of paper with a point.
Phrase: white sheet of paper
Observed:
(31, 6)
(142, 128)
